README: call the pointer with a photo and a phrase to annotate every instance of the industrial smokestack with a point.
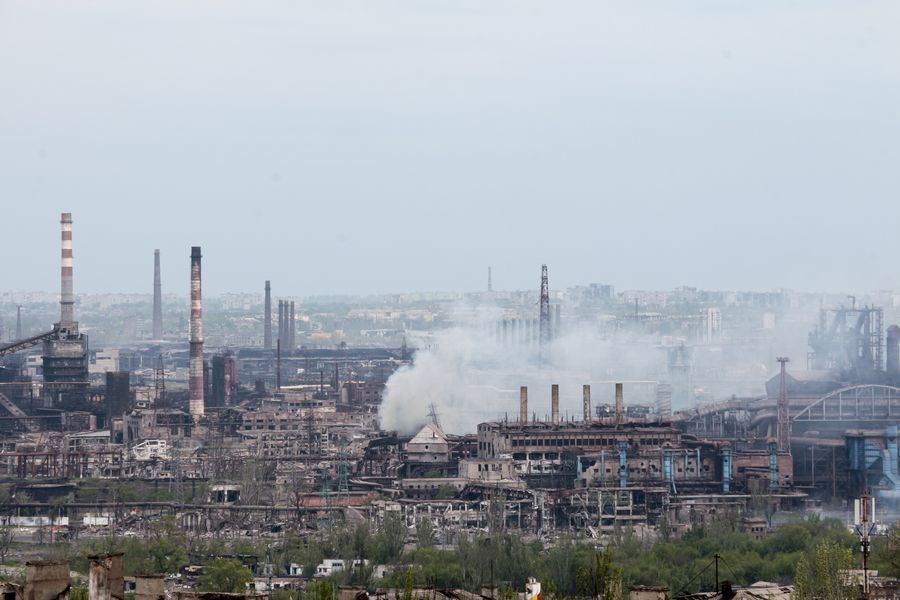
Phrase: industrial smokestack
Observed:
(620, 405)
(544, 333)
(18, 321)
(523, 405)
(586, 399)
(278, 363)
(892, 354)
(67, 295)
(783, 425)
(490, 283)
(157, 298)
(281, 322)
(292, 330)
(554, 403)
(267, 326)
(196, 364)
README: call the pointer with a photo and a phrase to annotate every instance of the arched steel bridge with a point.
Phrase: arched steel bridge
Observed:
(868, 402)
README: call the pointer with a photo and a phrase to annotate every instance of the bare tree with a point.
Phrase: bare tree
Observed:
(7, 537)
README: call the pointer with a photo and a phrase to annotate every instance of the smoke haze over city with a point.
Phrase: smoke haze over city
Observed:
(449, 300)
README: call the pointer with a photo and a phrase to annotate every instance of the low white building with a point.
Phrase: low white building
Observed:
(330, 566)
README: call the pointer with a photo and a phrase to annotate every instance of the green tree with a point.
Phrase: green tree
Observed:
(822, 579)
(424, 533)
(892, 547)
(224, 575)
(388, 542)
(165, 550)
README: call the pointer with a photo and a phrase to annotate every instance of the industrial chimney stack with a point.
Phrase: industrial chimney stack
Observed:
(292, 331)
(554, 403)
(523, 405)
(280, 320)
(157, 299)
(620, 405)
(267, 326)
(586, 399)
(196, 364)
(67, 296)
(544, 331)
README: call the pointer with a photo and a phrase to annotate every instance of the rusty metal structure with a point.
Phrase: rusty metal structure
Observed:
(196, 340)
(849, 341)
(157, 298)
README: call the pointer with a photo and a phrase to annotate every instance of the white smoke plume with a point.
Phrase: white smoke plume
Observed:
(471, 376)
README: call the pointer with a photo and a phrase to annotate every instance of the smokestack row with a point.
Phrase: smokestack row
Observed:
(267, 325)
(516, 331)
(157, 298)
(67, 292)
(196, 364)
(586, 401)
(286, 329)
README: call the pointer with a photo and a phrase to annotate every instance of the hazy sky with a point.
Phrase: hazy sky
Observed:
(388, 145)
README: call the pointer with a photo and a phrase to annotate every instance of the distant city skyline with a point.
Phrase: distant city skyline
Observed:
(393, 147)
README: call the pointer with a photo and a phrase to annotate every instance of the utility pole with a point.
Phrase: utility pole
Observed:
(864, 519)
(716, 556)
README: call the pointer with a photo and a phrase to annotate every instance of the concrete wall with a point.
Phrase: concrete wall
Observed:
(47, 580)
(149, 587)
(648, 593)
(105, 578)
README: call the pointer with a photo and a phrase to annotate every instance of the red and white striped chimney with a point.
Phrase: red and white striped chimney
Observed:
(67, 293)
(196, 364)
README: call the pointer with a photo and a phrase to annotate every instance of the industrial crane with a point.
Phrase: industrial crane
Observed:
(26, 343)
